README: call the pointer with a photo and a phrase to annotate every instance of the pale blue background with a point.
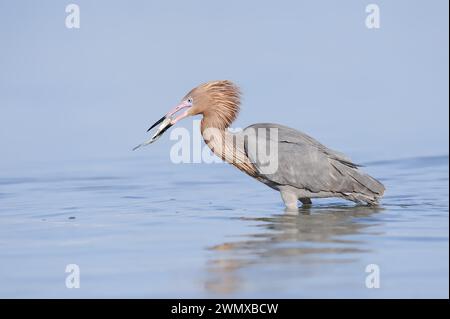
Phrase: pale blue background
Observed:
(74, 102)
(312, 65)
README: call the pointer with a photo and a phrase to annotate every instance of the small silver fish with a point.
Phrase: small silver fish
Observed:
(165, 124)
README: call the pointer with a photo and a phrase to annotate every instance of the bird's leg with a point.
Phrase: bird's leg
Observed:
(306, 201)
(290, 200)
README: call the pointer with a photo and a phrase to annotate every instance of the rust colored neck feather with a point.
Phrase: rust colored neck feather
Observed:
(224, 144)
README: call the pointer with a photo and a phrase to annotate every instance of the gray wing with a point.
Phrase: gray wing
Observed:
(305, 163)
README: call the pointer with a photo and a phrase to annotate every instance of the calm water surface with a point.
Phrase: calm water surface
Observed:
(143, 227)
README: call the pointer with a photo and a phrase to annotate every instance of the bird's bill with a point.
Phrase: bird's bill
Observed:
(166, 122)
(176, 109)
(157, 122)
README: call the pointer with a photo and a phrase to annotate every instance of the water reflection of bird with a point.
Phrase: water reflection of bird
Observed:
(316, 236)
(297, 165)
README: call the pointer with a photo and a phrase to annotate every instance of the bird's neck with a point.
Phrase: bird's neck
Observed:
(226, 145)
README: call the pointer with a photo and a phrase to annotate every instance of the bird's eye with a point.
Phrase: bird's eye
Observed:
(190, 100)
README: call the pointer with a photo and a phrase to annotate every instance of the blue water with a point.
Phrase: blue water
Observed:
(144, 227)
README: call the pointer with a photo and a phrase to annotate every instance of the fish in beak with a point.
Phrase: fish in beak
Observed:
(166, 122)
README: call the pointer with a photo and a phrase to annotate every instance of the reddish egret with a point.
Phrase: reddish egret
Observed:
(305, 168)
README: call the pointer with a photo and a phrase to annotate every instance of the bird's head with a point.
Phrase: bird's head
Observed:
(218, 101)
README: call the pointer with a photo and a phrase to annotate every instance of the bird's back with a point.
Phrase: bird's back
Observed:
(305, 164)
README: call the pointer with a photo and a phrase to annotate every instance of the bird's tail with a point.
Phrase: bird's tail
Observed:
(362, 198)
(365, 188)
(371, 189)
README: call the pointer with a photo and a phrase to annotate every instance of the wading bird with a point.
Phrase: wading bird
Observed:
(305, 168)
